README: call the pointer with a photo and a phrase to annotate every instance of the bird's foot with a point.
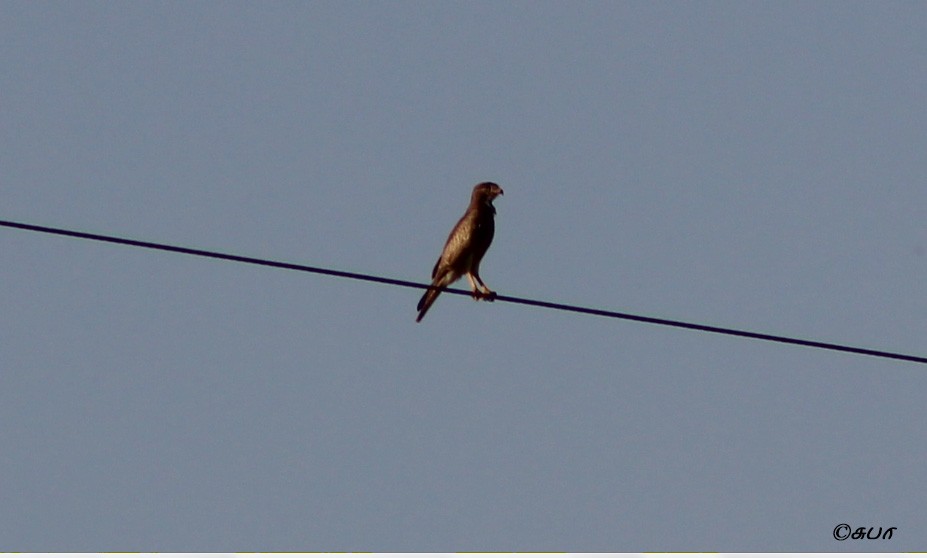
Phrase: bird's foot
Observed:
(487, 295)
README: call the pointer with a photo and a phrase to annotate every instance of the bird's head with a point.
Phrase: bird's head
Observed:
(485, 192)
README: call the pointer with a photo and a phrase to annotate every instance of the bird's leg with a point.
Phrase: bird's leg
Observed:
(480, 293)
(477, 294)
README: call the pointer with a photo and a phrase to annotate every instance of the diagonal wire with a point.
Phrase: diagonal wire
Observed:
(501, 298)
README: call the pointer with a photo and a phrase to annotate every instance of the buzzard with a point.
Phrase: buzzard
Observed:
(465, 247)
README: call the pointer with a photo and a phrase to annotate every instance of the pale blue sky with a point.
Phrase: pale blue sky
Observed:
(756, 165)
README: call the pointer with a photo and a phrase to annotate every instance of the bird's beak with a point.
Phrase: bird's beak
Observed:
(501, 193)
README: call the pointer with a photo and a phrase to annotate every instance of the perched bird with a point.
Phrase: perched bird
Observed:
(465, 247)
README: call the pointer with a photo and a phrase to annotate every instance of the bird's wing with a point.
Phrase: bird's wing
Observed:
(455, 260)
(458, 249)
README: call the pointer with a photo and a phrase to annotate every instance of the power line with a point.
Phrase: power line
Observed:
(500, 298)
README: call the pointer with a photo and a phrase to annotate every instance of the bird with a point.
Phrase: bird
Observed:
(465, 247)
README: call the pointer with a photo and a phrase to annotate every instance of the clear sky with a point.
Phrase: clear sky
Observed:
(756, 165)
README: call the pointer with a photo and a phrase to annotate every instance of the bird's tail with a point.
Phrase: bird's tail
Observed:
(427, 300)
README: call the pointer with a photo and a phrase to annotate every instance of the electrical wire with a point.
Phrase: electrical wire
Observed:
(500, 298)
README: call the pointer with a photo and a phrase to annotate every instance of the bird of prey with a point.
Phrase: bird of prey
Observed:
(465, 247)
